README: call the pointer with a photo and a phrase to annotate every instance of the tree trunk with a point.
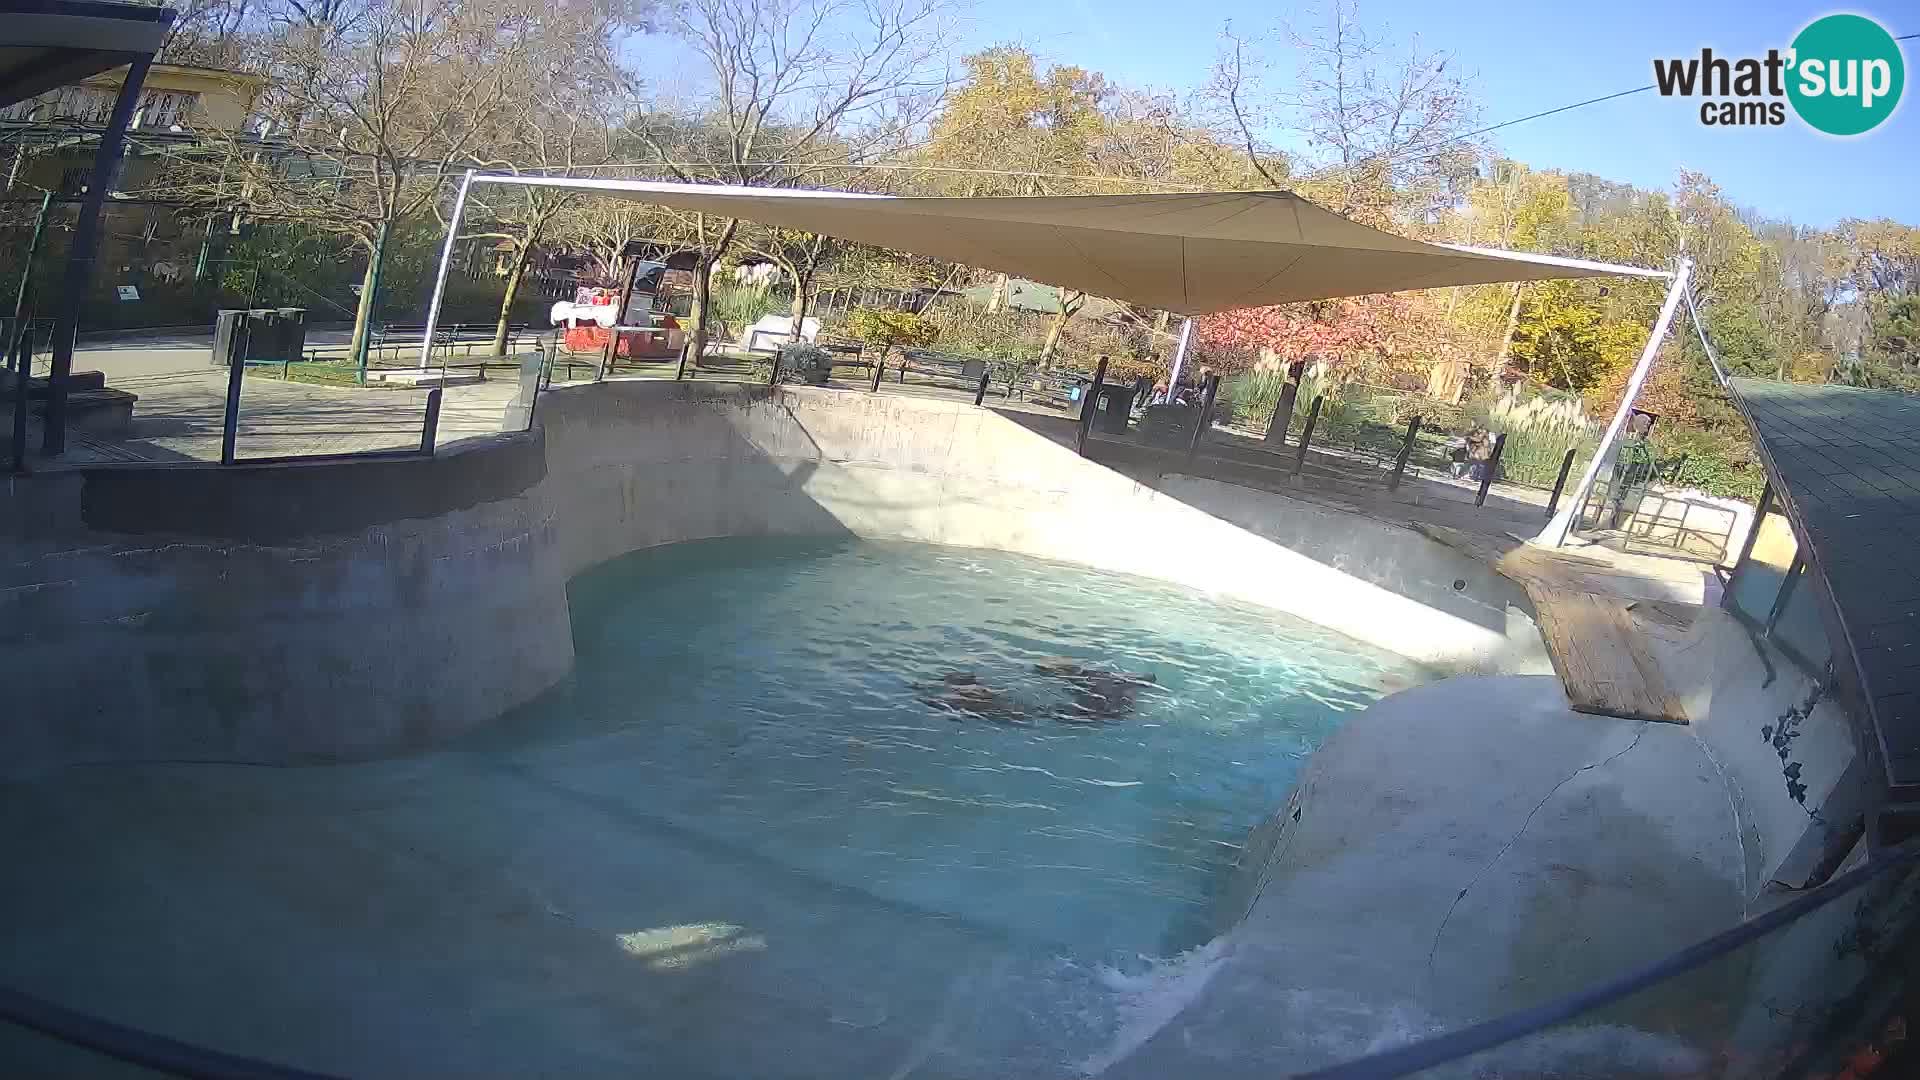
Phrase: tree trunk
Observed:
(697, 312)
(1052, 343)
(362, 318)
(703, 290)
(506, 303)
(1068, 307)
(801, 301)
(1506, 340)
(997, 299)
(369, 297)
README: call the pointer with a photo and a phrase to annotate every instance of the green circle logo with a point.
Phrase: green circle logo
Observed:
(1846, 74)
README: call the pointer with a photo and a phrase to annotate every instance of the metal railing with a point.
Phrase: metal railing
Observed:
(237, 366)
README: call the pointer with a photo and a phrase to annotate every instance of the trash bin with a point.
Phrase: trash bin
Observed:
(292, 338)
(1115, 409)
(262, 336)
(229, 331)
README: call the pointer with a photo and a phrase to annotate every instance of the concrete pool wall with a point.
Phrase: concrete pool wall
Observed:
(343, 610)
(281, 614)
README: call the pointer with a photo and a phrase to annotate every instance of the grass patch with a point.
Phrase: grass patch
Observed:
(319, 373)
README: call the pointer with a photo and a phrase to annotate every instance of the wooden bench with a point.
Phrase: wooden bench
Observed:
(961, 372)
(1056, 388)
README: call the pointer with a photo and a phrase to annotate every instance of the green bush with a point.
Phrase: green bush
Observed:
(1717, 463)
(999, 335)
(802, 361)
(1874, 376)
(877, 326)
(1255, 396)
(1434, 414)
(1540, 429)
(735, 308)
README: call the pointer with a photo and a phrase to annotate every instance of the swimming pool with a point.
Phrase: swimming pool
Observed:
(803, 808)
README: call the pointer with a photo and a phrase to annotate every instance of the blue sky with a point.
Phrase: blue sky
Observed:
(1530, 57)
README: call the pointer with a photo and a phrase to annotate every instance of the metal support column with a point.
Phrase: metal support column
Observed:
(1760, 510)
(84, 251)
(1557, 529)
(430, 427)
(1306, 434)
(1560, 482)
(1179, 358)
(446, 261)
(26, 268)
(1492, 466)
(1088, 406)
(1406, 451)
(1206, 416)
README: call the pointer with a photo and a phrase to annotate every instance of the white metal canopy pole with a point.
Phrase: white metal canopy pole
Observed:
(440, 280)
(1179, 356)
(1556, 531)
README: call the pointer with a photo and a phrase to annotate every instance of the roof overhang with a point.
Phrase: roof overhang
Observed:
(1190, 252)
(52, 43)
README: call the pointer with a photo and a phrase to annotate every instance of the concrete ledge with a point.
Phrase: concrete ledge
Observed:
(1455, 852)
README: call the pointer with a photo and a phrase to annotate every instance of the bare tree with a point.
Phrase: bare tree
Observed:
(1070, 303)
(571, 97)
(370, 105)
(1386, 126)
(209, 33)
(1228, 90)
(795, 87)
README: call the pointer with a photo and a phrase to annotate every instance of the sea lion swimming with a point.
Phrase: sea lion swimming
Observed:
(1062, 667)
(962, 695)
(1099, 697)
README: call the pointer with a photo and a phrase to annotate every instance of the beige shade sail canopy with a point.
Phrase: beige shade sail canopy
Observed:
(1191, 252)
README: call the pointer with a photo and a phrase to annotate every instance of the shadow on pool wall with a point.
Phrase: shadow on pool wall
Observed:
(327, 611)
(632, 465)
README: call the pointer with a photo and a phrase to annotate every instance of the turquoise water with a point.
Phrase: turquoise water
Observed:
(796, 701)
(737, 842)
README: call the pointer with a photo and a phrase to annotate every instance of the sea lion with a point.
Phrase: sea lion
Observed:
(1103, 697)
(1062, 667)
(965, 699)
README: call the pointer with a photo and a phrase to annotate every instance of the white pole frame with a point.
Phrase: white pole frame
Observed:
(1555, 534)
(440, 279)
(1179, 356)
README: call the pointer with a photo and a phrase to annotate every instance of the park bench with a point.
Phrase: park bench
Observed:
(1056, 388)
(399, 343)
(960, 372)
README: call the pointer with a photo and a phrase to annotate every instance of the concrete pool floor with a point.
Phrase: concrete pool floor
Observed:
(459, 916)
(468, 913)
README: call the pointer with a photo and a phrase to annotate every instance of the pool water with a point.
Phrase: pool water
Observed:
(804, 808)
(780, 698)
